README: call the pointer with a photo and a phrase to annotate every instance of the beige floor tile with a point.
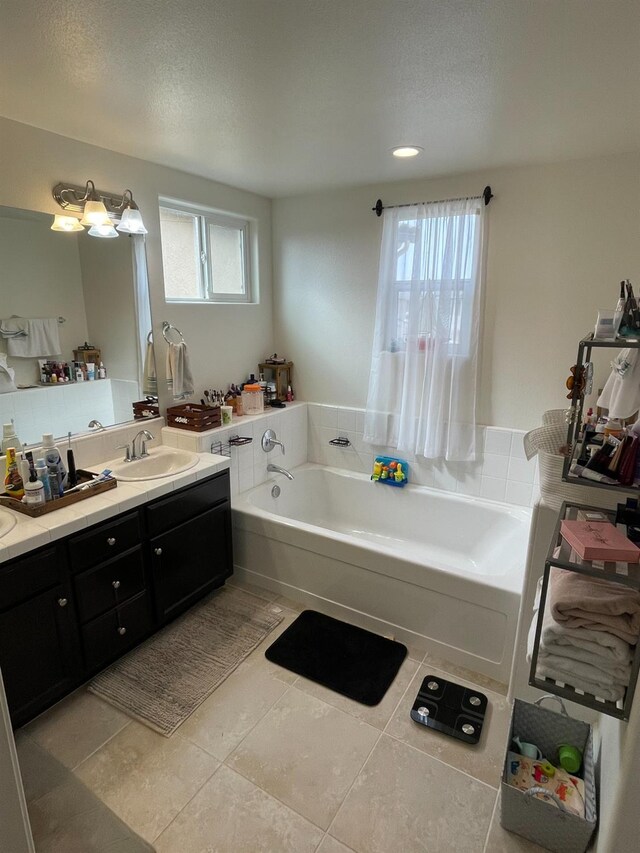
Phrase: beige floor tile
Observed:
(501, 841)
(378, 715)
(456, 671)
(330, 845)
(146, 778)
(39, 770)
(404, 800)
(231, 815)
(260, 591)
(306, 753)
(76, 727)
(233, 709)
(483, 761)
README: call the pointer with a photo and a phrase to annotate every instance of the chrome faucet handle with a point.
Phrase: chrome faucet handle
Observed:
(127, 452)
(269, 441)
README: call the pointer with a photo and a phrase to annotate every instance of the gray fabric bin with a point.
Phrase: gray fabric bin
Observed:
(541, 821)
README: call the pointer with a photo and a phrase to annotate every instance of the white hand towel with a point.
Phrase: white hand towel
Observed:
(40, 339)
(601, 691)
(179, 376)
(7, 375)
(621, 393)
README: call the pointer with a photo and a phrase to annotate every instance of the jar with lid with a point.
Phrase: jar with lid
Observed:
(252, 400)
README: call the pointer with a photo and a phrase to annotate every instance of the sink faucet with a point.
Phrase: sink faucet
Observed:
(278, 470)
(144, 435)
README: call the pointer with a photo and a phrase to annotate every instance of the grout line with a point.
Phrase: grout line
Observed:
(358, 774)
(491, 819)
(108, 740)
(164, 829)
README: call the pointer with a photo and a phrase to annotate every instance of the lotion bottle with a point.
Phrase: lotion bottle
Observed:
(53, 458)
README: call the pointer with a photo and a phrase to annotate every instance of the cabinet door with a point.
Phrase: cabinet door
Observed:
(38, 655)
(190, 560)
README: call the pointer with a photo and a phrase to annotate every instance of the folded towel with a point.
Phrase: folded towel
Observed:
(579, 601)
(7, 375)
(598, 648)
(602, 691)
(39, 338)
(150, 379)
(179, 376)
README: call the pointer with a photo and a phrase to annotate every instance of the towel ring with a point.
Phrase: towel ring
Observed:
(168, 327)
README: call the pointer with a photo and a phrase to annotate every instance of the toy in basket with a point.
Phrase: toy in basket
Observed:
(393, 472)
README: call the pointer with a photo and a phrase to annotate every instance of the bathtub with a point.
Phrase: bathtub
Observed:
(439, 571)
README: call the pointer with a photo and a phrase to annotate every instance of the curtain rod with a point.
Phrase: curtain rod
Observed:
(487, 195)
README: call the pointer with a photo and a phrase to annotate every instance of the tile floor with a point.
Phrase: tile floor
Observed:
(273, 763)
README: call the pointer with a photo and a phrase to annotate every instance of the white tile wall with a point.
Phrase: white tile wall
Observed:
(500, 473)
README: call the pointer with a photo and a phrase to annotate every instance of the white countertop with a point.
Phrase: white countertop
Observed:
(30, 533)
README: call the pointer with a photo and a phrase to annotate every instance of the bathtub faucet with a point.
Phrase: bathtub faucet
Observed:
(276, 469)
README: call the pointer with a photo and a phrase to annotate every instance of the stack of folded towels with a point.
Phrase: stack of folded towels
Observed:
(589, 630)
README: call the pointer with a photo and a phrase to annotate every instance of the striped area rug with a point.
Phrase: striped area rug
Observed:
(165, 679)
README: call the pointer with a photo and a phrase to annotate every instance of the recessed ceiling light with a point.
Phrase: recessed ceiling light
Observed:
(406, 151)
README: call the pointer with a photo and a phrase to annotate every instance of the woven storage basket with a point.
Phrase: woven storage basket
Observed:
(540, 821)
(545, 442)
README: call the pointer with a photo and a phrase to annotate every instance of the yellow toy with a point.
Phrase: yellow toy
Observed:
(377, 470)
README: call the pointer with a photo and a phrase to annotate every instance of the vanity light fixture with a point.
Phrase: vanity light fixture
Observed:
(404, 151)
(100, 211)
(131, 220)
(65, 223)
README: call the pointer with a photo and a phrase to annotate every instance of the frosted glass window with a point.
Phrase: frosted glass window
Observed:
(205, 255)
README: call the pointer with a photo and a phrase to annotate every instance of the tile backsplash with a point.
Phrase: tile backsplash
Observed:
(501, 472)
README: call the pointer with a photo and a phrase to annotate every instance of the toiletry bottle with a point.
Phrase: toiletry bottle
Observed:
(53, 457)
(102, 371)
(289, 394)
(43, 475)
(13, 484)
(54, 482)
(33, 491)
(9, 437)
(91, 371)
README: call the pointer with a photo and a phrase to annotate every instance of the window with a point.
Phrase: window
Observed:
(205, 255)
(439, 252)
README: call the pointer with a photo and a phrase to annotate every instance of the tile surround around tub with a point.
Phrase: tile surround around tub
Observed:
(501, 472)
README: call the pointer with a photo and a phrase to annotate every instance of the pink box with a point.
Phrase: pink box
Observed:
(599, 540)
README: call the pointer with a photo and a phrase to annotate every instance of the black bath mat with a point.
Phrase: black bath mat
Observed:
(349, 660)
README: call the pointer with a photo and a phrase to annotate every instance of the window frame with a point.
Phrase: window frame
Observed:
(225, 219)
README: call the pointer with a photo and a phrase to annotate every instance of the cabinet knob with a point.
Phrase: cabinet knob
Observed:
(111, 540)
(122, 630)
(157, 551)
(115, 584)
(62, 602)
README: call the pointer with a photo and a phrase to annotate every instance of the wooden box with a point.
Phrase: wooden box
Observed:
(145, 409)
(194, 417)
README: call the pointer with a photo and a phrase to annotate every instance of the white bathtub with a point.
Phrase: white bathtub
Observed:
(440, 571)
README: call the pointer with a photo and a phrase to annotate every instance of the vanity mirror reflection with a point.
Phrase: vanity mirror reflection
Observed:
(88, 290)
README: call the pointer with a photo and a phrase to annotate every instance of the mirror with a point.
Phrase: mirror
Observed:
(85, 288)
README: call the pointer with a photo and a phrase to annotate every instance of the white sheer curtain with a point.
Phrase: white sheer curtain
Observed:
(423, 381)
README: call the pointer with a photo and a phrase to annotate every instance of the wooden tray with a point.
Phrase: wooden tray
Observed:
(65, 500)
(144, 409)
(194, 416)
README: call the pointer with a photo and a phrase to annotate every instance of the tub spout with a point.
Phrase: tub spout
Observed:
(276, 469)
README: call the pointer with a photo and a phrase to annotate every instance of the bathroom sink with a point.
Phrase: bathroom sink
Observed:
(161, 462)
(7, 520)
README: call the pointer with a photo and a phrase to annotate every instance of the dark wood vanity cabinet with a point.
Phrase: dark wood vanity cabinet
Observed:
(39, 651)
(68, 610)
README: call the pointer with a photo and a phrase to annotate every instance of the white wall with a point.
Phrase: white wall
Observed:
(561, 237)
(226, 341)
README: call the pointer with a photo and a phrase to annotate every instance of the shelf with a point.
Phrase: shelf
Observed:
(575, 421)
(562, 556)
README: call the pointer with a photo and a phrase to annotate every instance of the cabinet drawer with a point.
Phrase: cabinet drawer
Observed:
(104, 542)
(109, 584)
(113, 633)
(169, 512)
(25, 577)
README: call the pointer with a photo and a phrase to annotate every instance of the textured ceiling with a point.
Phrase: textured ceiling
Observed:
(287, 96)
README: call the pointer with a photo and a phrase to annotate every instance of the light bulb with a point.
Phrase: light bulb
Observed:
(103, 231)
(404, 151)
(65, 223)
(95, 213)
(131, 222)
